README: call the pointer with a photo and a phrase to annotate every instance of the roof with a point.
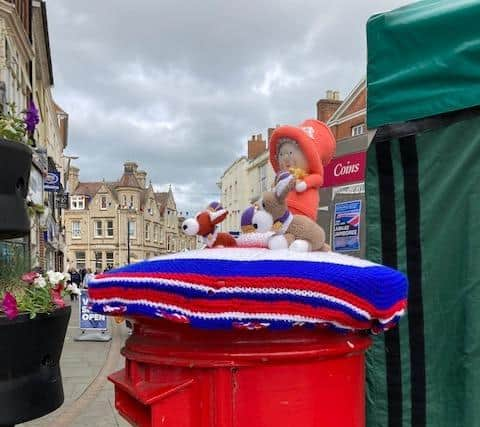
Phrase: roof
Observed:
(161, 199)
(421, 61)
(87, 188)
(128, 180)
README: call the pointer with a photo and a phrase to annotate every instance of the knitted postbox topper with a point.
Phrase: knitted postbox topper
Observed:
(255, 288)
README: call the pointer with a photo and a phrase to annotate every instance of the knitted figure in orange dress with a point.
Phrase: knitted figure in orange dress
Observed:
(303, 151)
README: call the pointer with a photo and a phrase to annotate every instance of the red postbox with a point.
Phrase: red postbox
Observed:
(178, 376)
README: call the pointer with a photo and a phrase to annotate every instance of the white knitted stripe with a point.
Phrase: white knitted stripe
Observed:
(248, 290)
(261, 254)
(229, 315)
(384, 321)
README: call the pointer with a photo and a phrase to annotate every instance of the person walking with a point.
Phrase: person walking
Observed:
(88, 276)
(75, 278)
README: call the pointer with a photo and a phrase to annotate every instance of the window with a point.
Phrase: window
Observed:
(132, 202)
(358, 129)
(103, 202)
(109, 259)
(98, 261)
(77, 202)
(147, 231)
(155, 233)
(80, 259)
(132, 229)
(125, 201)
(162, 235)
(98, 229)
(76, 230)
(109, 228)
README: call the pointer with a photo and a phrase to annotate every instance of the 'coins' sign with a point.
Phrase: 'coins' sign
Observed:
(345, 170)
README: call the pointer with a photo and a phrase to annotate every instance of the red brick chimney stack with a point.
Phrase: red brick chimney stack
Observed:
(326, 107)
(256, 146)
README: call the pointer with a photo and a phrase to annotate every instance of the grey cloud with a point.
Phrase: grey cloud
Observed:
(180, 86)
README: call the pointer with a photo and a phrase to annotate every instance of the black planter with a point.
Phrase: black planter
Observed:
(15, 164)
(30, 378)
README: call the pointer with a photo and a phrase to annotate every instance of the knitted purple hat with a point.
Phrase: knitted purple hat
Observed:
(247, 216)
(214, 207)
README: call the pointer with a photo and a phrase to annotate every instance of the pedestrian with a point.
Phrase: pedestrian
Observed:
(88, 276)
(75, 278)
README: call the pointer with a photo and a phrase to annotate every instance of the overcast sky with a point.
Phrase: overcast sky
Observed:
(179, 86)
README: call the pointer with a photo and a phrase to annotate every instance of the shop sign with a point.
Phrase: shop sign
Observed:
(346, 231)
(89, 319)
(52, 181)
(345, 170)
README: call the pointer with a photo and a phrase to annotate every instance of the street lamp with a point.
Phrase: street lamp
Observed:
(130, 211)
(128, 240)
(67, 171)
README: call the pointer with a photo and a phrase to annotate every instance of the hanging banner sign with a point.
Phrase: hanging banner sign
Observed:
(52, 181)
(345, 169)
(62, 200)
(89, 319)
(346, 231)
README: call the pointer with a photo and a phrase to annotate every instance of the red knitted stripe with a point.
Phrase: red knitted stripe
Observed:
(269, 282)
(221, 306)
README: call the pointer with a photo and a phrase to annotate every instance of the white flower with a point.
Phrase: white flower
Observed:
(40, 282)
(54, 277)
(73, 288)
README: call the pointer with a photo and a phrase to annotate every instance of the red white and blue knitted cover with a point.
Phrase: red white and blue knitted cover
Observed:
(255, 288)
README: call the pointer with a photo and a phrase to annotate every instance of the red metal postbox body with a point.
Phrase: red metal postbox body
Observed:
(177, 376)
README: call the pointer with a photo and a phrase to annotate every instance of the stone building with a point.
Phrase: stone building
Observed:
(244, 181)
(26, 75)
(110, 224)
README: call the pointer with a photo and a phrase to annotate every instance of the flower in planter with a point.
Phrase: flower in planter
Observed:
(34, 293)
(9, 306)
(19, 127)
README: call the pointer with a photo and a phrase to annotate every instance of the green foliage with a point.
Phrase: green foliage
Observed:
(13, 126)
(35, 300)
(12, 266)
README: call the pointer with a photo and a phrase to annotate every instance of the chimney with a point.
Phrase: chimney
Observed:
(72, 182)
(141, 178)
(130, 167)
(256, 146)
(326, 107)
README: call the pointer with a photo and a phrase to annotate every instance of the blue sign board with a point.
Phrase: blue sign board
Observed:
(52, 182)
(346, 231)
(88, 319)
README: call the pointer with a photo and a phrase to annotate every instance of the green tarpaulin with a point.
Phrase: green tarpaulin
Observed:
(423, 60)
(423, 217)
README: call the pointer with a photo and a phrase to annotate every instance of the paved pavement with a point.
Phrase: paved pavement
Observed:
(89, 399)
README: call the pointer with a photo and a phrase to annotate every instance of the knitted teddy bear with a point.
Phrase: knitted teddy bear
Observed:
(296, 232)
(303, 151)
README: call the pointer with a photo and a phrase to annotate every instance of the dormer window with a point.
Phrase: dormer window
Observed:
(103, 202)
(77, 202)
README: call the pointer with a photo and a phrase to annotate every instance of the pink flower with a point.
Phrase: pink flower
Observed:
(57, 298)
(9, 306)
(30, 277)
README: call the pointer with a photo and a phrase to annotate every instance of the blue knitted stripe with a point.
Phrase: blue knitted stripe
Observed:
(199, 322)
(317, 302)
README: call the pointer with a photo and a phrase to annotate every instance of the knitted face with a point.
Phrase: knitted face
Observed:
(291, 156)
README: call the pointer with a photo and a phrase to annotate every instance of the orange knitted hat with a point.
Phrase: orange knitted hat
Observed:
(314, 138)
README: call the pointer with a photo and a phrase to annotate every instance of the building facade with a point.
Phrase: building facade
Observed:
(109, 224)
(345, 187)
(26, 75)
(244, 181)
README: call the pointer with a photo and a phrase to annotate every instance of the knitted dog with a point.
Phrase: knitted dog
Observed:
(296, 232)
(205, 225)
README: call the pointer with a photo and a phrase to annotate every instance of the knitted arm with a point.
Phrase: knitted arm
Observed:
(314, 180)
